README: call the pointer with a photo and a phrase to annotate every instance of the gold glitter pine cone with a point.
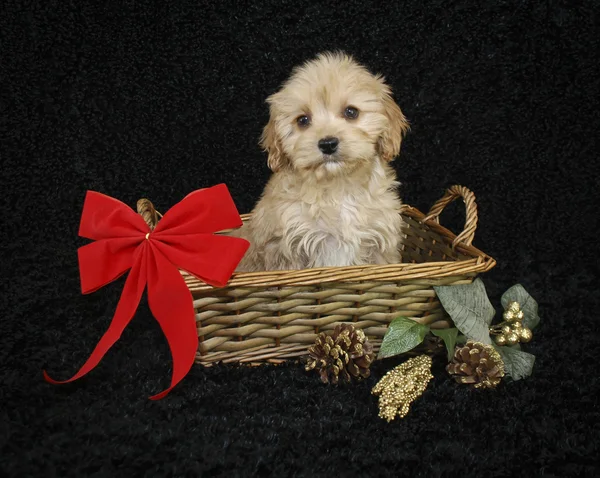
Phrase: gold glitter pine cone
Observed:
(477, 364)
(345, 354)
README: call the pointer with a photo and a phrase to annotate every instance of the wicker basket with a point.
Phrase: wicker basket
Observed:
(275, 316)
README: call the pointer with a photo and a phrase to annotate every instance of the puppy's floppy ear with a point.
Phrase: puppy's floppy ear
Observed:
(270, 142)
(390, 140)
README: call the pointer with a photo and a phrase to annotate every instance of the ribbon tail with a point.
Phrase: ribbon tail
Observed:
(171, 304)
(128, 303)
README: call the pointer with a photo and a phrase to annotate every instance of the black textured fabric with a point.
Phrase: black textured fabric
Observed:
(158, 99)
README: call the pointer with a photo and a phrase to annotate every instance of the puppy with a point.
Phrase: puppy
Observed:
(332, 200)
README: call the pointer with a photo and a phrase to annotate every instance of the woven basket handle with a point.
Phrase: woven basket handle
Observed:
(146, 209)
(452, 193)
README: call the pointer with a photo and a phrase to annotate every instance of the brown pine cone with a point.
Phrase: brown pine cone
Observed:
(347, 353)
(477, 364)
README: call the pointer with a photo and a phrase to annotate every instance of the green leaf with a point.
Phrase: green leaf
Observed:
(517, 364)
(469, 308)
(402, 335)
(449, 337)
(529, 306)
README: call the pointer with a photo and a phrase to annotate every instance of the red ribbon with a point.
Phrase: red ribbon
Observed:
(183, 239)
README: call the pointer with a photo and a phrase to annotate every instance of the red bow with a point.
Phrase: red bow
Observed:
(183, 239)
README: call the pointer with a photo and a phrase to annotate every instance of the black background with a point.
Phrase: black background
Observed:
(158, 99)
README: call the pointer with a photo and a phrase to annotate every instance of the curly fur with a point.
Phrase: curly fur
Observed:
(321, 210)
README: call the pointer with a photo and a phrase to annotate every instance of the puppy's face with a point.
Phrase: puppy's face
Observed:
(332, 117)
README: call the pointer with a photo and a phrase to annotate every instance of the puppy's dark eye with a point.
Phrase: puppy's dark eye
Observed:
(303, 121)
(351, 113)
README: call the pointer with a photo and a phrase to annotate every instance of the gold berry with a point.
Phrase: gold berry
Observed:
(516, 326)
(514, 307)
(508, 315)
(500, 339)
(506, 329)
(520, 315)
(525, 334)
(512, 338)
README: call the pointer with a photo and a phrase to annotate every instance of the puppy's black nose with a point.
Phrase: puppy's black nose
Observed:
(329, 145)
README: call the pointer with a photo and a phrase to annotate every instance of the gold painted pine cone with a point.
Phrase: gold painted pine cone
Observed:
(345, 354)
(477, 364)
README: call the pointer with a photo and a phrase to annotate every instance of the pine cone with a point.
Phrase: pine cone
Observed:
(346, 353)
(477, 364)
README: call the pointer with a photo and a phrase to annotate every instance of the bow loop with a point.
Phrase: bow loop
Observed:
(199, 255)
(202, 211)
(111, 258)
(104, 217)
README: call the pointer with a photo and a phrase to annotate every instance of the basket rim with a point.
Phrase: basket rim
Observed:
(479, 262)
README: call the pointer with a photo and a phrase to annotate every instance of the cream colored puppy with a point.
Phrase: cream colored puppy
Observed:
(332, 200)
